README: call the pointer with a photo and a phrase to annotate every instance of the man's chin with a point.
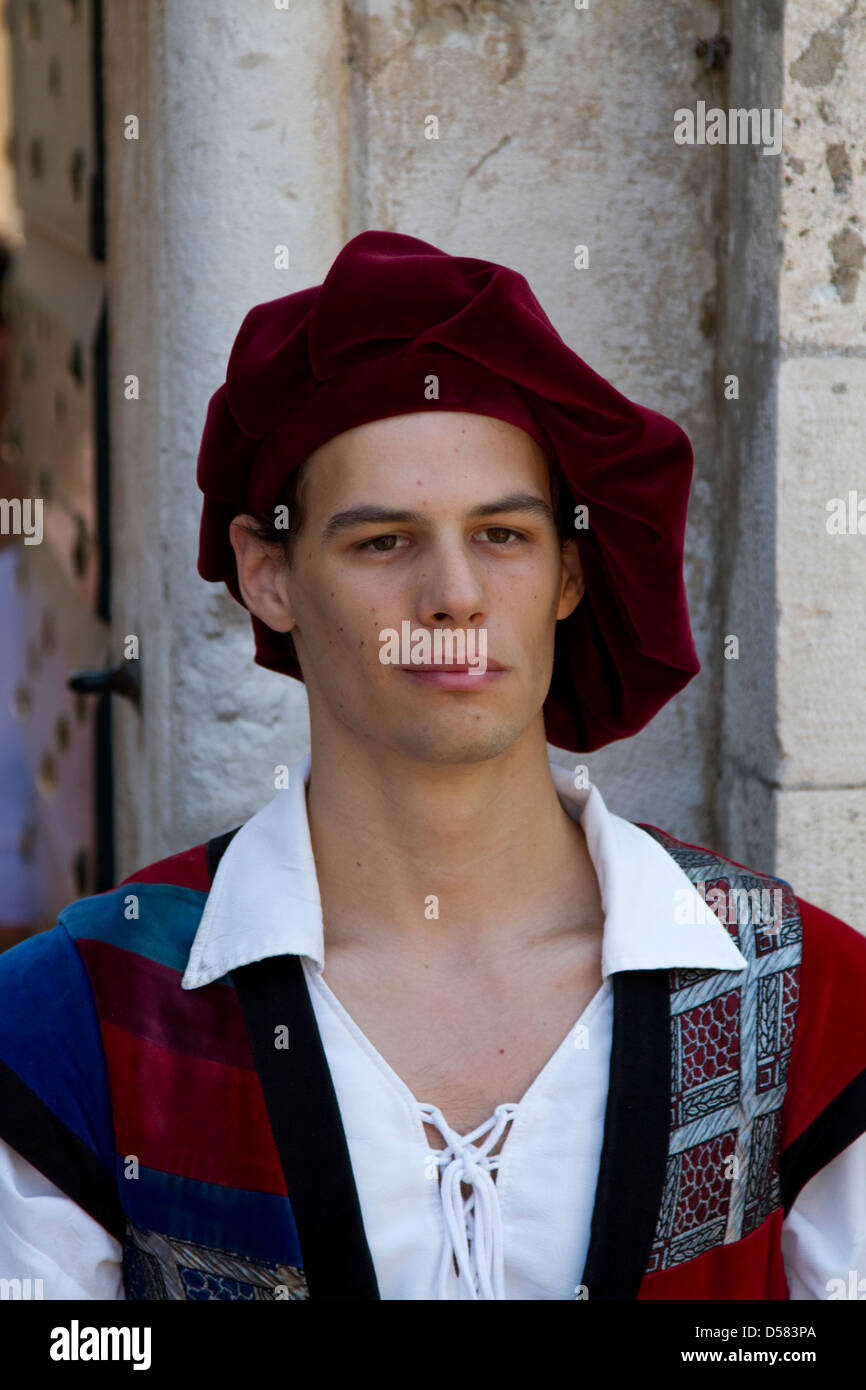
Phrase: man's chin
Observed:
(477, 743)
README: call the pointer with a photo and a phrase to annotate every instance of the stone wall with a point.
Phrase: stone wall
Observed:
(555, 128)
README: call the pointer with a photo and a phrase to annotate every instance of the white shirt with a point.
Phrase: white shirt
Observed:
(510, 1239)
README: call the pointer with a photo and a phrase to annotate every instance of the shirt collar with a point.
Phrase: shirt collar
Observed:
(264, 899)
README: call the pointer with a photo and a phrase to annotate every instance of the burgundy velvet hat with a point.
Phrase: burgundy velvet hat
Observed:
(393, 310)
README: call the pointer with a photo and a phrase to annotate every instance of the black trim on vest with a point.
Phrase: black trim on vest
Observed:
(301, 1101)
(308, 1130)
(38, 1135)
(216, 848)
(634, 1152)
(838, 1125)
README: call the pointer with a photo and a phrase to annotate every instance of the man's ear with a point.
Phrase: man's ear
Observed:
(573, 586)
(261, 576)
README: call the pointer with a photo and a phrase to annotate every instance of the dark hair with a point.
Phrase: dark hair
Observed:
(263, 527)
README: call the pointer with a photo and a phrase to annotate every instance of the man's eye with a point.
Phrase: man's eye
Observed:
(384, 545)
(373, 543)
(503, 531)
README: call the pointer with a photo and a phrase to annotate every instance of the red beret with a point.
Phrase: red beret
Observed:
(392, 310)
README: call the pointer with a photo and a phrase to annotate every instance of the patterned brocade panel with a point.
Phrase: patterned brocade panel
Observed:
(693, 1216)
(706, 1058)
(731, 1038)
(763, 1193)
(160, 1267)
(777, 1013)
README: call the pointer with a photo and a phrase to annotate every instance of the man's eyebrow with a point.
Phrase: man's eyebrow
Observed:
(511, 502)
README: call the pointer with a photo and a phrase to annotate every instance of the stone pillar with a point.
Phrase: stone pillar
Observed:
(821, 487)
(793, 785)
(241, 147)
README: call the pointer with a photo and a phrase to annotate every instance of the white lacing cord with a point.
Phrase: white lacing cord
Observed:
(475, 1219)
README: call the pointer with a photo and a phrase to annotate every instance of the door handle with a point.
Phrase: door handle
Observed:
(122, 679)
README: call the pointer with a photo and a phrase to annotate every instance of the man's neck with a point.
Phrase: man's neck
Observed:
(487, 846)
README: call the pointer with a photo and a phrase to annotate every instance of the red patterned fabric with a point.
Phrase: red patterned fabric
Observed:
(188, 869)
(202, 1120)
(829, 1003)
(750, 1269)
(830, 1013)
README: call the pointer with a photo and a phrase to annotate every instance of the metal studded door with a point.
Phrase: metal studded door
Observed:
(56, 439)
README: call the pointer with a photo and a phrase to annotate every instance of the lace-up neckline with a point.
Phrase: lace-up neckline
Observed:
(473, 1225)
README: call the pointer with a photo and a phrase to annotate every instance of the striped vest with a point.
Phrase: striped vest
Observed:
(219, 1160)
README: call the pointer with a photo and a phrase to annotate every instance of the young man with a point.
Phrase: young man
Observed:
(435, 1023)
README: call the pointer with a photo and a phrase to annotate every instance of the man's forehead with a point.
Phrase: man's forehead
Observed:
(462, 430)
(437, 474)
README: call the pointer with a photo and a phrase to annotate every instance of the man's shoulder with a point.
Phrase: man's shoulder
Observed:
(695, 856)
(809, 973)
(153, 912)
(829, 944)
(825, 1107)
(186, 869)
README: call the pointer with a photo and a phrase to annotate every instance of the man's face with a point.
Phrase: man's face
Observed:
(453, 535)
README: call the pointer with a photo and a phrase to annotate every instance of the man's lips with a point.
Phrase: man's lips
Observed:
(455, 676)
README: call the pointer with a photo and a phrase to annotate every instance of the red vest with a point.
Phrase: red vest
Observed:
(170, 1116)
